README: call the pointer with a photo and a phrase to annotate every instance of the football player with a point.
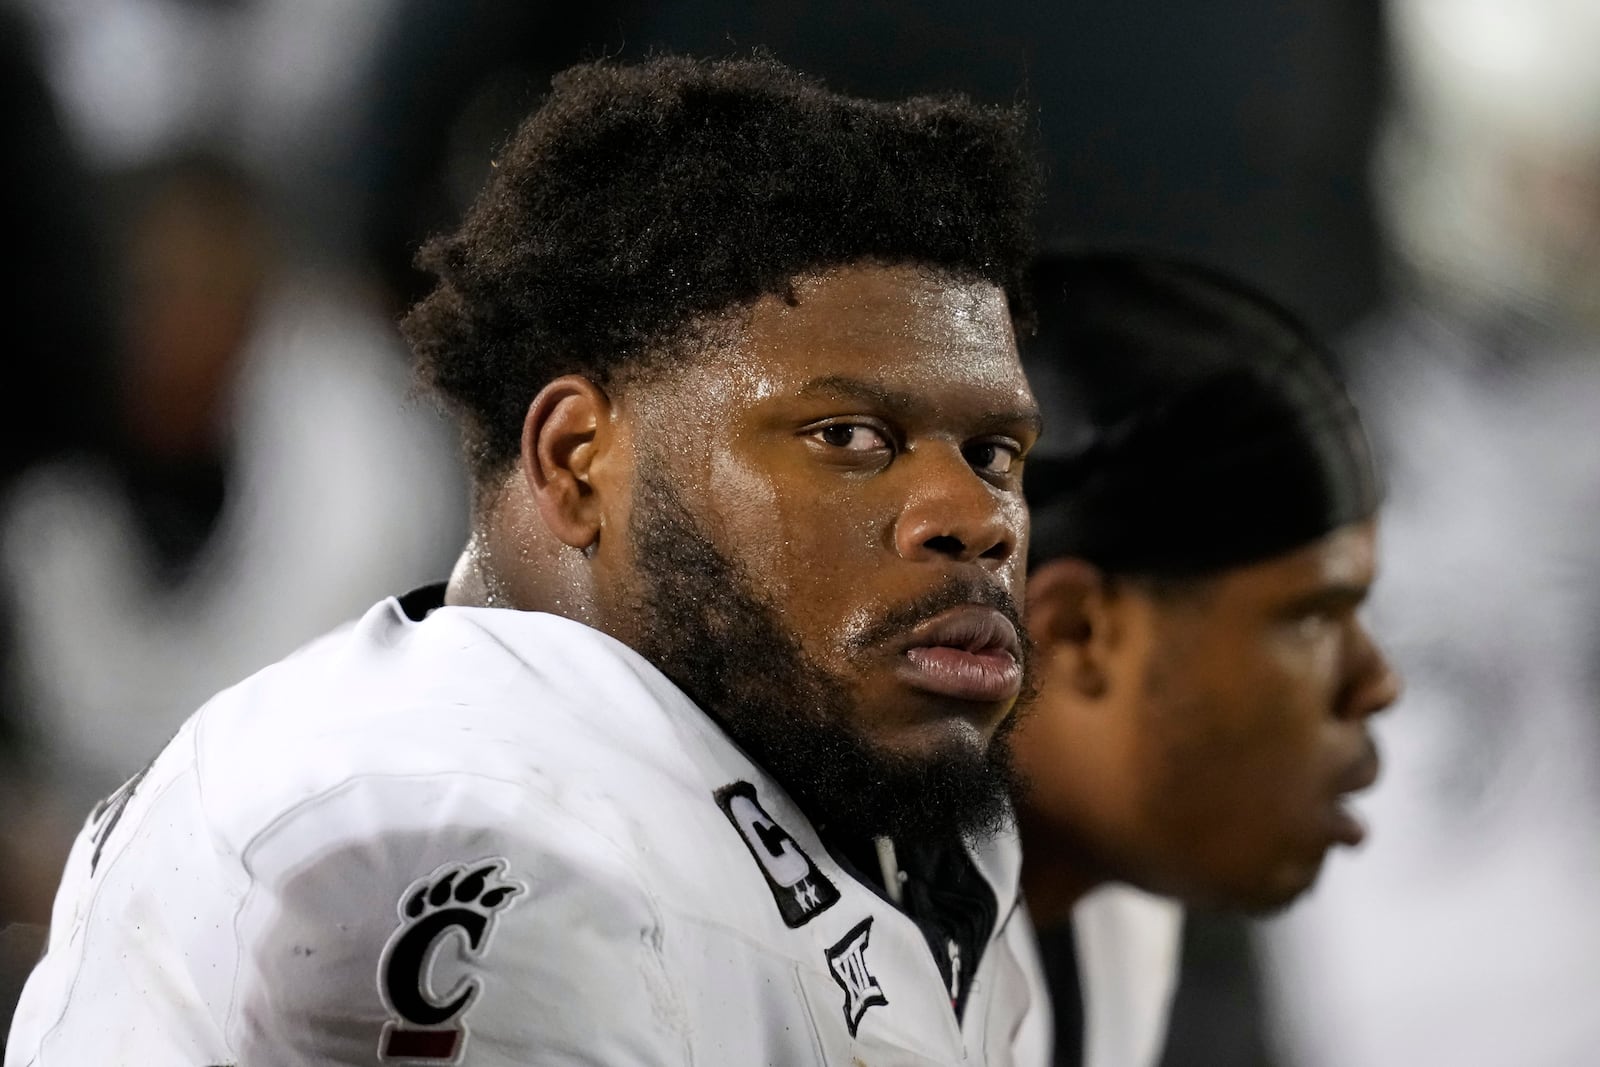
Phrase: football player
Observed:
(697, 757)
(1205, 514)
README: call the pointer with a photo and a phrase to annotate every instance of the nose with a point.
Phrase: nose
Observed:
(953, 513)
(1374, 683)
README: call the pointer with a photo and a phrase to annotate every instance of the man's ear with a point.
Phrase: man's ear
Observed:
(565, 435)
(1068, 617)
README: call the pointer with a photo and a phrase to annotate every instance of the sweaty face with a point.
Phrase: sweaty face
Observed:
(1219, 774)
(827, 532)
(712, 633)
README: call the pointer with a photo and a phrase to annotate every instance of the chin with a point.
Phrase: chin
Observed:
(929, 725)
(1279, 889)
(944, 736)
(1256, 890)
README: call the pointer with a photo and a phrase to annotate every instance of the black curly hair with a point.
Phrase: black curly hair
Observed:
(641, 200)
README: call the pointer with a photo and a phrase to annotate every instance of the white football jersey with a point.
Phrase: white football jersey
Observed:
(1128, 954)
(490, 838)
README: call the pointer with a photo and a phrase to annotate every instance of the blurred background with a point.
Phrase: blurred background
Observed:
(211, 453)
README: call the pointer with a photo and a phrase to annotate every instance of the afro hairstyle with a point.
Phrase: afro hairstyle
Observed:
(640, 201)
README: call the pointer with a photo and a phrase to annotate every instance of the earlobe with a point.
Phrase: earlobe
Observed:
(564, 436)
(1066, 617)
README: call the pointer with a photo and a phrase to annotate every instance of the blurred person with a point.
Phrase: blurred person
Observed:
(56, 356)
(276, 83)
(260, 443)
(1489, 174)
(1204, 532)
(1468, 933)
(697, 757)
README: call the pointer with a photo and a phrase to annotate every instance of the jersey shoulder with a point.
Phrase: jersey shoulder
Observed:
(465, 696)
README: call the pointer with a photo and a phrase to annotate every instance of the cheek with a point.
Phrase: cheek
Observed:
(1237, 770)
(1231, 751)
(812, 549)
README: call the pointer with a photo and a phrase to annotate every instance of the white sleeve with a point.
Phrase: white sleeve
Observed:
(445, 918)
(449, 918)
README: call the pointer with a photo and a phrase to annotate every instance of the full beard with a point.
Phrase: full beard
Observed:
(701, 621)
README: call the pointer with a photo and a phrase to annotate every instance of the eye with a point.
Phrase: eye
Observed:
(1327, 622)
(852, 437)
(993, 457)
(1314, 625)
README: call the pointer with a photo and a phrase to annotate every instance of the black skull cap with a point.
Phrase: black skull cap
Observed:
(1192, 424)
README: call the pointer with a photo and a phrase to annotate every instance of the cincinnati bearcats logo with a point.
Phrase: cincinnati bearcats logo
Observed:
(460, 902)
(801, 890)
(847, 961)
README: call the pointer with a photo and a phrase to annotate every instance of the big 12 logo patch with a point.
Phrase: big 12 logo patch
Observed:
(460, 901)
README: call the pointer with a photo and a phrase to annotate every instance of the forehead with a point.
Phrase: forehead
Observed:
(1346, 556)
(907, 330)
(1344, 562)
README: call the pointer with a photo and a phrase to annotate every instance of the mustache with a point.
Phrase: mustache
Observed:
(953, 594)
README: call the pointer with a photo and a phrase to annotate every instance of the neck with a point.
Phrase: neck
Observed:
(1055, 874)
(513, 561)
(473, 582)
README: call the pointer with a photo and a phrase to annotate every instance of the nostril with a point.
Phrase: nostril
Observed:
(946, 545)
(1000, 551)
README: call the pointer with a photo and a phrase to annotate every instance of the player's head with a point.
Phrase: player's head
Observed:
(736, 363)
(1203, 536)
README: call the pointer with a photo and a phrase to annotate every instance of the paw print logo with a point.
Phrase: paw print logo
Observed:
(460, 901)
(480, 890)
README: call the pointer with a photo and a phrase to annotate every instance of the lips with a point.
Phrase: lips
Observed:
(1362, 772)
(1347, 828)
(969, 652)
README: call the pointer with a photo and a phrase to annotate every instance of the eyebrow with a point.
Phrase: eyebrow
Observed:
(1334, 596)
(901, 404)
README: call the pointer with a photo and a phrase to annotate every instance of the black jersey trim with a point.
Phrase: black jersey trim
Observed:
(417, 603)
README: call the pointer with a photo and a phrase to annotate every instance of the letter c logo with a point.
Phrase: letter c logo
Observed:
(774, 850)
